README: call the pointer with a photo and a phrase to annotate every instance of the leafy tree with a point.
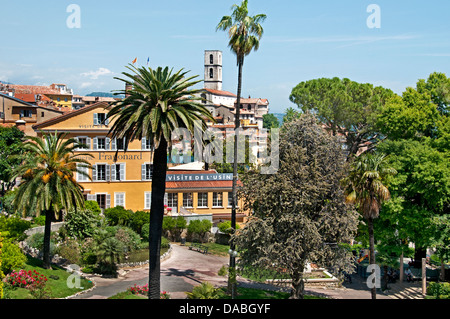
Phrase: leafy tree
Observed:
(299, 214)
(81, 223)
(10, 145)
(438, 87)
(48, 179)
(365, 186)
(244, 32)
(158, 103)
(291, 115)
(270, 121)
(346, 108)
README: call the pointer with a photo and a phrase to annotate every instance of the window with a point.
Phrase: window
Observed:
(100, 119)
(101, 143)
(84, 140)
(217, 199)
(145, 144)
(202, 200)
(188, 200)
(2, 115)
(230, 199)
(82, 173)
(119, 199)
(100, 172)
(26, 113)
(211, 59)
(65, 99)
(148, 200)
(118, 172)
(146, 172)
(211, 73)
(42, 114)
(103, 200)
(172, 200)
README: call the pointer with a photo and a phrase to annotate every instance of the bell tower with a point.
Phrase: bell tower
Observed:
(213, 70)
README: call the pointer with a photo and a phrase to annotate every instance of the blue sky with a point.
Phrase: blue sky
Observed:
(302, 40)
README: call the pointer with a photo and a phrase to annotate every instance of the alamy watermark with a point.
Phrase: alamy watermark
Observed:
(374, 19)
(74, 19)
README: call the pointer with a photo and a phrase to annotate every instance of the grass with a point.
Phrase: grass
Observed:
(58, 288)
(215, 249)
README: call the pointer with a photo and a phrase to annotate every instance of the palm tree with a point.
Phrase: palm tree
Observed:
(365, 187)
(244, 32)
(158, 103)
(48, 182)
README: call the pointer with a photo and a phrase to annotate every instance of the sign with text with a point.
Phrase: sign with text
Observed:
(198, 177)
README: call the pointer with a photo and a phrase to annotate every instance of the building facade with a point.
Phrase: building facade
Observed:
(126, 180)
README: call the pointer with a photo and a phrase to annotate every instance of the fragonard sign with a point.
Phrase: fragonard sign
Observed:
(199, 177)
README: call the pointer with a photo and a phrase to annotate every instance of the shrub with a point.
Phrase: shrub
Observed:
(225, 227)
(205, 291)
(118, 216)
(12, 257)
(145, 232)
(1, 272)
(128, 237)
(143, 290)
(81, 224)
(199, 227)
(14, 227)
(39, 220)
(70, 250)
(169, 223)
(439, 290)
(93, 207)
(138, 220)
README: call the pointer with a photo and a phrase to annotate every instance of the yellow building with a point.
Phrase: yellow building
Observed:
(127, 181)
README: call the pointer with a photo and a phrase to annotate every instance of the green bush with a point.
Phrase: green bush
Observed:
(439, 290)
(145, 232)
(165, 243)
(205, 291)
(14, 227)
(198, 228)
(169, 223)
(39, 220)
(81, 224)
(70, 250)
(138, 220)
(12, 257)
(118, 216)
(225, 227)
(92, 206)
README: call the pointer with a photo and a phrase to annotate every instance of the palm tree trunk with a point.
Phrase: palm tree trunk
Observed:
(47, 232)
(237, 123)
(372, 252)
(156, 218)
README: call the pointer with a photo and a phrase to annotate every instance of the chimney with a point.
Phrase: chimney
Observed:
(20, 124)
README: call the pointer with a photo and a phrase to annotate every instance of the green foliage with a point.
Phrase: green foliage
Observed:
(10, 149)
(81, 223)
(12, 257)
(118, 216)
(346, 107)
(270, 121)
(14, 227)
(300, 210)
(92, 206)
(168, 223)
(205, 291)
(439, 290)
(37, 241)
(199, 226)
(138, 220)
(2, 275)
(39, 220)
(145, 232)
(225, 227)
(70, 250)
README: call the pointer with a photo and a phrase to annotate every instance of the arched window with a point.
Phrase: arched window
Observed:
(203, 96)
(211, 73)
(211, 59)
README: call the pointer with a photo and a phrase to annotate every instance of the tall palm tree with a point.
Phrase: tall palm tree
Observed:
(48, 182)
(365, 187)
(158, 103)
(244, 32)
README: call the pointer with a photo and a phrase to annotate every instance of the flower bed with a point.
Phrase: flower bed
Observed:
(25, 279)
(143, 290)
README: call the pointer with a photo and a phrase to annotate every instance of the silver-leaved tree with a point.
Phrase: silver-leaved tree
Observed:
(299, 214)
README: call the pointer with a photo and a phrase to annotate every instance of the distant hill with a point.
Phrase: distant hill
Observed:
(101, 94)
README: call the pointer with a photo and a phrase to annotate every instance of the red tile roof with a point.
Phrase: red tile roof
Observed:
(219, 92)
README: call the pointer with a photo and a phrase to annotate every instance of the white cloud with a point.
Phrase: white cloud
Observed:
(94, 75)
(85, 85)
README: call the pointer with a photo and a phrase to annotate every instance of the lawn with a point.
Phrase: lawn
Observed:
(56, 282)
